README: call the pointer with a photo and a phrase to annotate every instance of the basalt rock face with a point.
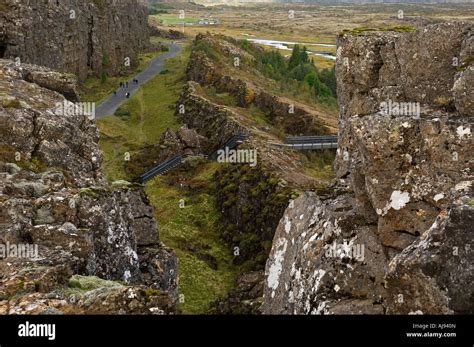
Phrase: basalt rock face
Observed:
(86, 38)
(34, 128)
(395, 235)
(52, 196)
(210, 120)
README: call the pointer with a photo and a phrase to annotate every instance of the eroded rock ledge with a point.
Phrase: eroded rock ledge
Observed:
(396, 237)
(52, 195)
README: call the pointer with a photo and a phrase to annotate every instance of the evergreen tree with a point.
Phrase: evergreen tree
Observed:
(321, 90)
(328, 77)
(311, 78)
(295, 58)
(301, 71)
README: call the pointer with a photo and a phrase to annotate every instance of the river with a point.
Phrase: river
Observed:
(284, 45)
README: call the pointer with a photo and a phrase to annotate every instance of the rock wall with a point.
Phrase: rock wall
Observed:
(394, 237)
(210, 120)
(52, 195)
(83, 37)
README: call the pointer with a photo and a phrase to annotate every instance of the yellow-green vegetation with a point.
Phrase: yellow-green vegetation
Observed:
(319, 164)
(86, 283)
(11, 103)
(97, 89)
(219, 98)
(3, 5)
(173, 19)
(258, 116)
(101, 4)
(9, 154)
(143, 118)
(445, 102)
(322, 62)
(189, 223)
(361, 30)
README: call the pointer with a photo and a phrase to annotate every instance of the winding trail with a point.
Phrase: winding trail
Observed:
(113, 102)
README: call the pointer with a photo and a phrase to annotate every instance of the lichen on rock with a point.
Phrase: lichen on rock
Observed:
(404, 182)
(53, 196)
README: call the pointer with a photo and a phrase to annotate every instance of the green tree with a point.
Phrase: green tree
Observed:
(311, 78)
(301, 71)
(321, 90)
(328, 77)
(295, 57)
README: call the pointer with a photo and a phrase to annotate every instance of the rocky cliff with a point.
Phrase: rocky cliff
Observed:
(97, 245)
(395, 236)
(92, 37)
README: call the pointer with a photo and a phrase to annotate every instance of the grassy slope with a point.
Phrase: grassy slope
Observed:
(152, 111)
(192, 230)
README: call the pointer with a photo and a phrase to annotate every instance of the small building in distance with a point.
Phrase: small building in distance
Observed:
(209, 21)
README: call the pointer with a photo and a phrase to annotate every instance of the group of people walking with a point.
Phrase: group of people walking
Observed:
(124, 85)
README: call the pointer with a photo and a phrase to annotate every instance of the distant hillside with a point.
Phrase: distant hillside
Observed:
(230, 2)
(380, 1)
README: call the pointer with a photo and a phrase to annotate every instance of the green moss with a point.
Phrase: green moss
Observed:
(82, 284)
(152, 292)
(7, 153)
(11, 103)
(468, 61)
(101, 4)
(470, 202)
(121, 183)
(89, 192)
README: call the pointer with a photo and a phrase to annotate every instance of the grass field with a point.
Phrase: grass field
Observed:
(173, 19)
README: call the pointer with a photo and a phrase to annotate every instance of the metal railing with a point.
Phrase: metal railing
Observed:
(162, 168)
(311, 139)
(167, 165)
(306, 143)
(233, 142)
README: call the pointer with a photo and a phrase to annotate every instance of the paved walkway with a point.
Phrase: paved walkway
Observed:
(113, 102)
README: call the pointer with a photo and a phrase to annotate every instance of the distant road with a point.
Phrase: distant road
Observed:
(113, 102)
